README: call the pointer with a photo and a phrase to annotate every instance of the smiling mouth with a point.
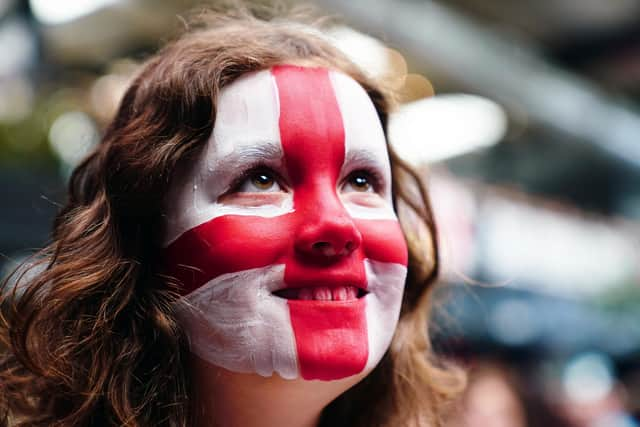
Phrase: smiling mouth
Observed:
(322, 293)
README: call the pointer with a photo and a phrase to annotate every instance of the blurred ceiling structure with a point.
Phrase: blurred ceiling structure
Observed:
(598, 38)
(587, 54)
(568, 113)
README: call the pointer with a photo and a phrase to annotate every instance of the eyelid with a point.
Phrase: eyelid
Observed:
(258, 167)
(377, 181)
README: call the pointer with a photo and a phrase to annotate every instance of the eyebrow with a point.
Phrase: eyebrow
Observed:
(361, 156)
(261, 151)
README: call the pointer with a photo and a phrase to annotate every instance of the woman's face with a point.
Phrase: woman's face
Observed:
(283, 231)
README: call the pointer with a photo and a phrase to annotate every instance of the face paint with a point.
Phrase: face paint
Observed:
(304, 279)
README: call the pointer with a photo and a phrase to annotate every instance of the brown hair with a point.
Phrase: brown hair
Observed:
(91, 332)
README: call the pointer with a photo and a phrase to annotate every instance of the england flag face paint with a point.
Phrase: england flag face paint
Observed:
(283, 231)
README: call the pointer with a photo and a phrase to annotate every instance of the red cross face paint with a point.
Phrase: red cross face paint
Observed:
(283, 231)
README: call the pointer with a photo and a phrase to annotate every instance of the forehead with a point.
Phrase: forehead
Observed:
(248, 112)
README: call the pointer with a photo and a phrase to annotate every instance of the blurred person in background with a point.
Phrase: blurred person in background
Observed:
(611, 409)
(496, 396)
(491, 400)
(230, 254)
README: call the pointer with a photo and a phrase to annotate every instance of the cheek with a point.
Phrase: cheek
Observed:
(254, 199)
(383, 241)
(233, 243)
(227, 244)
(367, 200)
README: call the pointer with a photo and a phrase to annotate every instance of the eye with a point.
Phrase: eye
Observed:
(259, 182)
(360, 181)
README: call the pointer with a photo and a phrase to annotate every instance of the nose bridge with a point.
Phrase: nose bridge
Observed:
(325, 226)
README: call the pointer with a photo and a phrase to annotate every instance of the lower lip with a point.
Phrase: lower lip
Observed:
(322, 293)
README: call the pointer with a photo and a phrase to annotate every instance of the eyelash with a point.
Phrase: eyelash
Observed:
(250, 171)
(374, 177)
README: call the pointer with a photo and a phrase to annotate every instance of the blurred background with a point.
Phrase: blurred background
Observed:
(524, 114)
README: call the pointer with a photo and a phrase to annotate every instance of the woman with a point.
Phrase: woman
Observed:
(230, 254)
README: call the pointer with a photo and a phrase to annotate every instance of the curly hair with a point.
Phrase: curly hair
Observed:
(89, 328)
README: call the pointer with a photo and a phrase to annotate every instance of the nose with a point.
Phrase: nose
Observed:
(329, 233)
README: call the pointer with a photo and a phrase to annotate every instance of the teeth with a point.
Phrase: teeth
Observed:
(305, 294)
(352, 292)
(320, 293)
(339, 294)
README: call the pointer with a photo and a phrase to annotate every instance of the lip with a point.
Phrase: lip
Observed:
(322, 292)
(304, 279)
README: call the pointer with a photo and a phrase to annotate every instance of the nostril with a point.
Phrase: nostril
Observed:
(325, 248)
(328, 249)
(328, 237)
(321, 245)
(349, 247)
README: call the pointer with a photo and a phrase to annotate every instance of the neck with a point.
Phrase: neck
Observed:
(228, 399)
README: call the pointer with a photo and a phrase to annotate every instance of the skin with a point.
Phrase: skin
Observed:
(250, 400)
(316, 217)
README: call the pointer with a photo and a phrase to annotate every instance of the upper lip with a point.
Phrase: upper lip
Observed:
(329, 282)
(350, 273)
(321, 284)
(285, 292)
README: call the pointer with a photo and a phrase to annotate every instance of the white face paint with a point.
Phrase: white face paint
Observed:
(283, 230)
(245, 132)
